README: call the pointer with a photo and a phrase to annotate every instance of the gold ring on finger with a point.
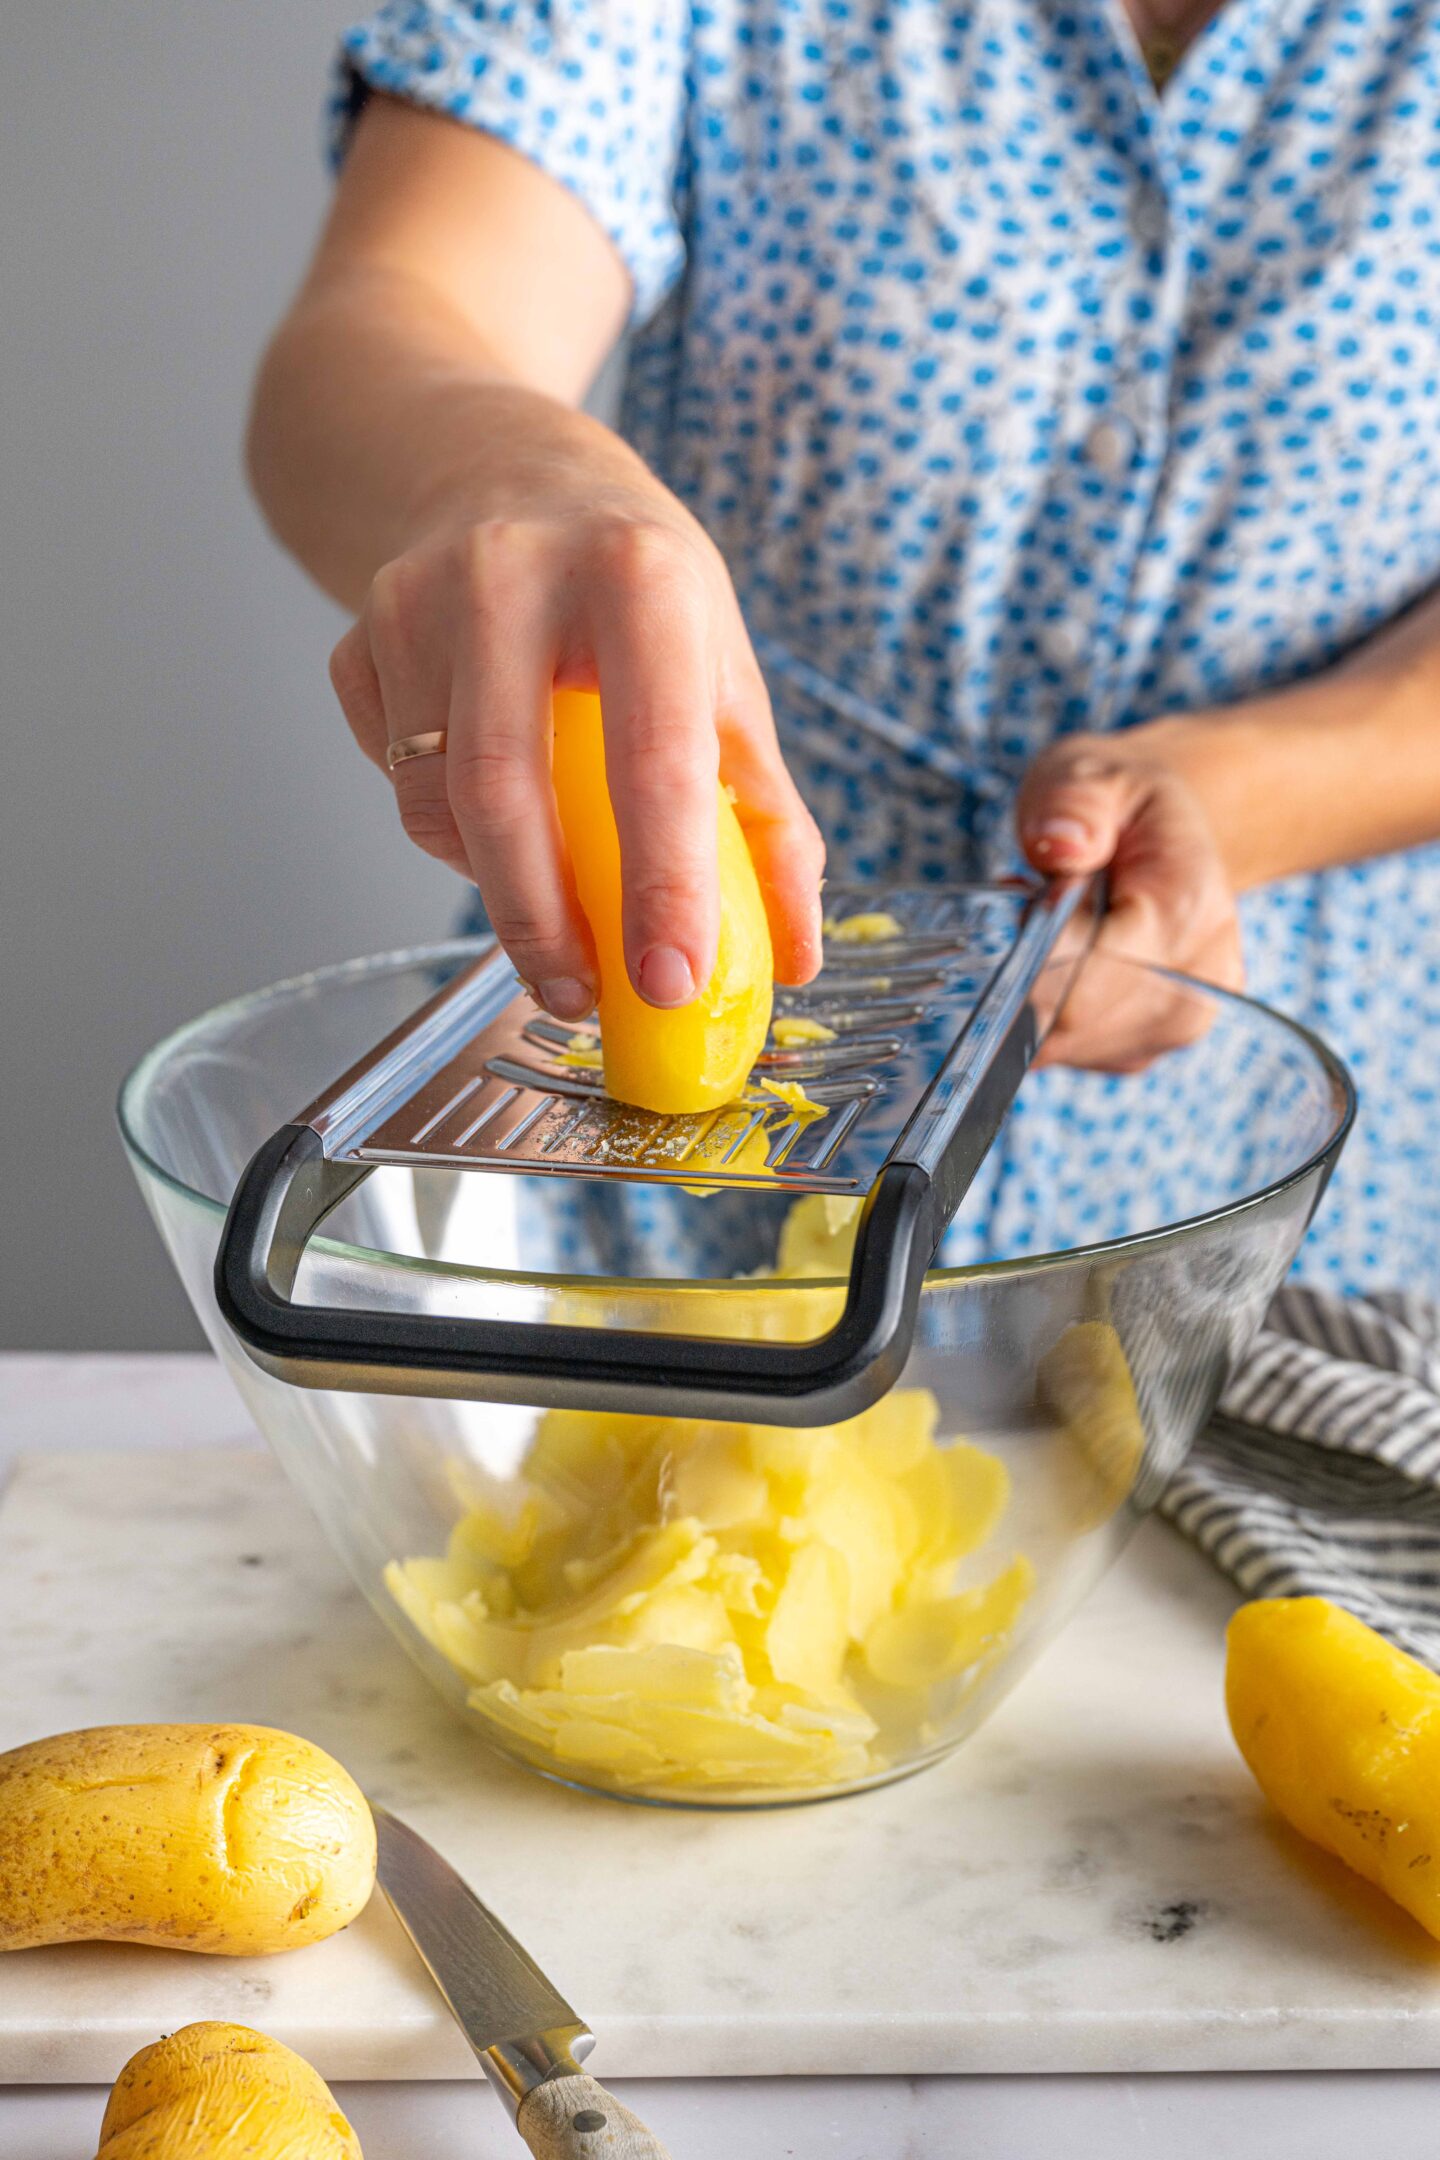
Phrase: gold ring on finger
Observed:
(413, 746)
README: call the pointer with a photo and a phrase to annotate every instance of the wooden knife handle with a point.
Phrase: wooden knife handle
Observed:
(573, 2118)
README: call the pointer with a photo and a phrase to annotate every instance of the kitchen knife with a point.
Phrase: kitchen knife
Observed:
(527, 2037)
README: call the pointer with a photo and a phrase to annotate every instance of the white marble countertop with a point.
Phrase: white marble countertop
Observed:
(48, 1403)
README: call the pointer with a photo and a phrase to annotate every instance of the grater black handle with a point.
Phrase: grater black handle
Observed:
(290, 1187)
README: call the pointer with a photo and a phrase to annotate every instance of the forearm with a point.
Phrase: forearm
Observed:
(1333, 770)
(381, 415)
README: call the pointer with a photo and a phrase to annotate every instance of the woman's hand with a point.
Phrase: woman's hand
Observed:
(1189, 811)
(1133, 804)
(613, 589)
(416, 440)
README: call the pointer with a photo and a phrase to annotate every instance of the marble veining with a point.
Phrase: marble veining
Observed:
(1091, 1884)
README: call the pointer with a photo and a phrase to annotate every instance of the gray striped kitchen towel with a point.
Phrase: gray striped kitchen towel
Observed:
(1320, 1472)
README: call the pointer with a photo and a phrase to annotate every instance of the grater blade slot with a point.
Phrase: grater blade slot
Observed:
(522, 1074)
(815, 997)
(873, 952)
(559, 1033)
(813, 1061)
(563, 1129)
(910, 975)
(856, 1019)
(433, 1124)
(821, 1143)
(526, 1123)
(782, 1140)
(491, 1110)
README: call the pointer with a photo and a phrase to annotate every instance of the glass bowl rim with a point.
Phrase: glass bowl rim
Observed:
(334, 973)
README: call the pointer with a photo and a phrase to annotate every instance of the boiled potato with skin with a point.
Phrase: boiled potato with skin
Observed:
(230, 1839)
(222, 2092)
(1342, 1732)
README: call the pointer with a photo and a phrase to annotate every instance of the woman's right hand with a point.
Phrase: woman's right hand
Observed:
(415, 439)
(615, 590)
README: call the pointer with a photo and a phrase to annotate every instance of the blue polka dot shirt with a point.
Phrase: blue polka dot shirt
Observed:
(1022, 399)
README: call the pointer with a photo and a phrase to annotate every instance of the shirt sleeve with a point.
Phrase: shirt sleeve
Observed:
(593, 91)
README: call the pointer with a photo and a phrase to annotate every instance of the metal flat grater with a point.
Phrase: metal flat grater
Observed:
(932, 1029)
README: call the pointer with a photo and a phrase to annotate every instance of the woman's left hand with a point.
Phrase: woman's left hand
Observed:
(1128, 804)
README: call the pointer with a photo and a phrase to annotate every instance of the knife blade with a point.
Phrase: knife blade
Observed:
(528, 2039)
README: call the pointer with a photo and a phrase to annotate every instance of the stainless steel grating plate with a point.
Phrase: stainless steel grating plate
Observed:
(479, 1080)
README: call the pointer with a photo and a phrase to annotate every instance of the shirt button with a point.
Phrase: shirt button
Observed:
(1109, 445)
(1063, 641)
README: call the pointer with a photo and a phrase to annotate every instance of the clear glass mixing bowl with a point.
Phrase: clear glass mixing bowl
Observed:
(727, 1615)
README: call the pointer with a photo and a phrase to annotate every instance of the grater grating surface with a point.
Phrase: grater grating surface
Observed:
(932, 1032)
(480, 1080)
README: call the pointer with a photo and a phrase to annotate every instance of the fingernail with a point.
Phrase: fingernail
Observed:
(665, 977)
(1057, 836)
(566, 997)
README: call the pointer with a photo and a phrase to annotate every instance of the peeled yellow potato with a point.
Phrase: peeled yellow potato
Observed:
(222, 2092)
(697, 1056)
(230, 1839)
(1342, 1732)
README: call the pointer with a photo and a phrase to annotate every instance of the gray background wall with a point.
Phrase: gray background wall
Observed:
(182, 816)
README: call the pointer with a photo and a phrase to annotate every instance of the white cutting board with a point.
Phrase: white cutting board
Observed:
(1091, 1884)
